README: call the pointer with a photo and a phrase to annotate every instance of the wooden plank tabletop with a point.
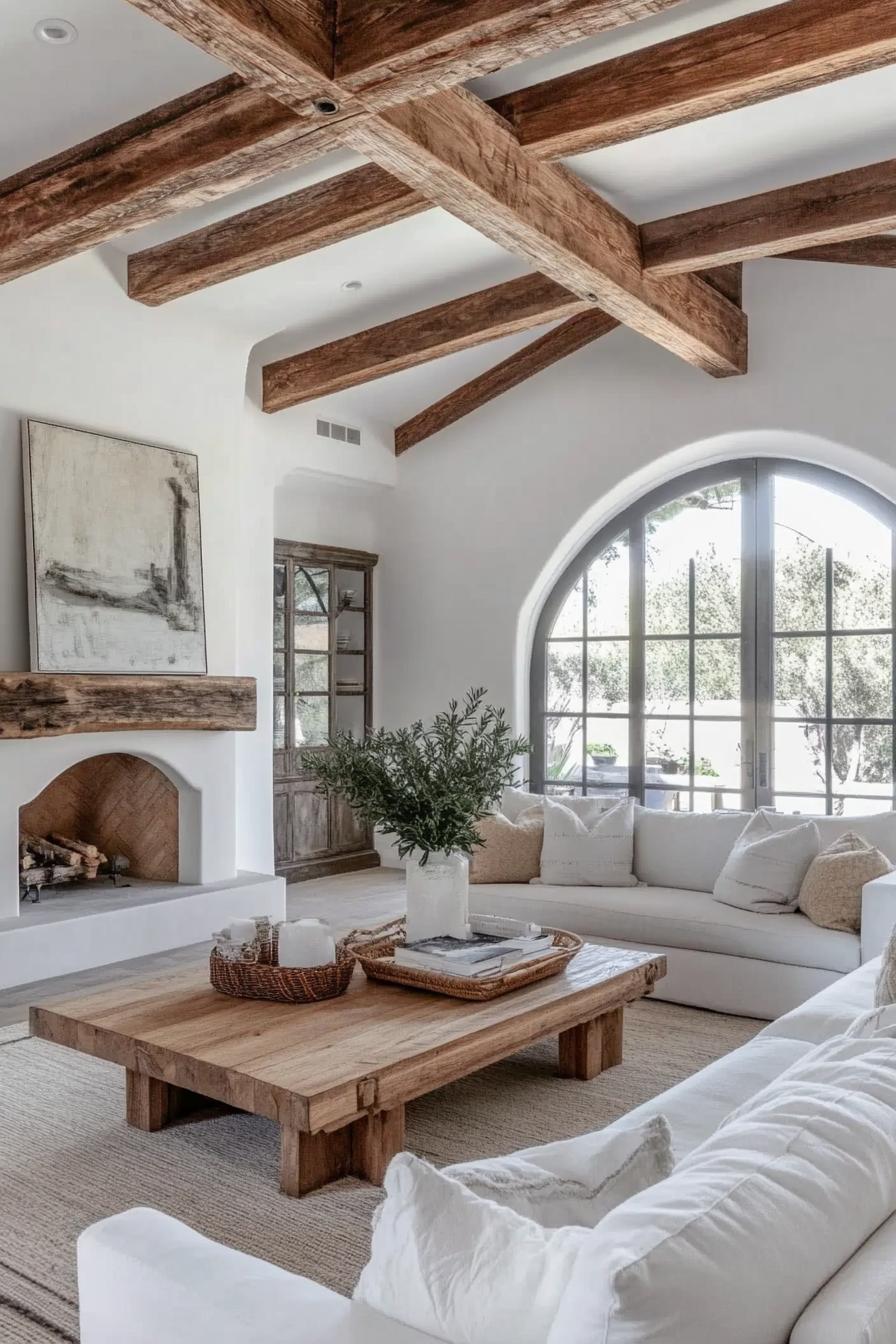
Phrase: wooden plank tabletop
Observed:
(313, 1065)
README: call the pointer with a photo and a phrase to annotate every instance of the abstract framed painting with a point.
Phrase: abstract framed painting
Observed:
(114, 554)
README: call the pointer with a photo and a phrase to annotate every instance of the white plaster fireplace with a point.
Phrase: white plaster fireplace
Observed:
(87, 924)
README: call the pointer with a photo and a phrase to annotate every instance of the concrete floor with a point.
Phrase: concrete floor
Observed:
(354, 900)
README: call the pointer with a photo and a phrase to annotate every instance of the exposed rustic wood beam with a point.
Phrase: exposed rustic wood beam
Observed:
(460, 154)
(460, 324)
(747, 60)
(283, 47)
(327, 212)
(880, 251)
(832, 209)
(192, 150)
(388, 51)
(555, 345)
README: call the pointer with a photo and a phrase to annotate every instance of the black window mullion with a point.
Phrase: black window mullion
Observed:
(829, 679)
(762, 558)
(584, 761)
(692, 673)
(636, 655)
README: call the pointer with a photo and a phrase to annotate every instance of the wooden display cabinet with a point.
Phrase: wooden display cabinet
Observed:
(323, 684)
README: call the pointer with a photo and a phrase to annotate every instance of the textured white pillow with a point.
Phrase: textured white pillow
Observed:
(684, 849)
(765, 869)
(579, 851)
(516, 801)
(753, 1222)
(577, 1182)
(463, 1268)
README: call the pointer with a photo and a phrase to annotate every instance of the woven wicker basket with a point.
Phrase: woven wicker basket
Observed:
(374, 949)
(264, 979)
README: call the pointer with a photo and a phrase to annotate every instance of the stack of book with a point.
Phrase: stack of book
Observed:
(481, 954)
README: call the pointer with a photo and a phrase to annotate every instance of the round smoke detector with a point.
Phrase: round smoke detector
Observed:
(57, 32)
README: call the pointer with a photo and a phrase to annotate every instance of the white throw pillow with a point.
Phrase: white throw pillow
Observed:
(575, 1182)
(516, 801)
(753, 1222)
(684, 849)
(765, 869)
(463, 1268)
(579, 851)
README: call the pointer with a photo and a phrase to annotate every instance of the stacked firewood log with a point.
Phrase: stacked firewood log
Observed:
(51, 860)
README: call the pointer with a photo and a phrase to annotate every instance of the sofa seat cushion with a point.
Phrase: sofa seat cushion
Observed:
(831, 1012)
(671, 917)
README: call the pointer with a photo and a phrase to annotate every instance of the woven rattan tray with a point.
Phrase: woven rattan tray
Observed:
(264, 979)
(374, 949)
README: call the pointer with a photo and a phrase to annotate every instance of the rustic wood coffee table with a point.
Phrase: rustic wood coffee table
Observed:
(336, 1075)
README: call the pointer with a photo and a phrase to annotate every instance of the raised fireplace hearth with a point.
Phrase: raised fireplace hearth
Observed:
(103, 817)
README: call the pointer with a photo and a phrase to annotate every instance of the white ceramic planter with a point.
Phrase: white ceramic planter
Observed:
(438, 894)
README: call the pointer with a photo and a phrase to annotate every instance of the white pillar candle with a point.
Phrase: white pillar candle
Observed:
(307, 942)
(243, 930)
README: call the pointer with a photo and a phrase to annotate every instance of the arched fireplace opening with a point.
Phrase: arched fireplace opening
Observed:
(106, 818)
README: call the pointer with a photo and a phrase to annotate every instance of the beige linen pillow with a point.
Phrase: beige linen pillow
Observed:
(512, 849)
(831, 894)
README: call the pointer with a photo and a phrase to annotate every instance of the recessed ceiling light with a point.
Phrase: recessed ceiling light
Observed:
(352, 284)
(58, 32)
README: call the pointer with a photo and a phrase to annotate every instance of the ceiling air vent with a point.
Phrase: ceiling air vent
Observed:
(329, 429)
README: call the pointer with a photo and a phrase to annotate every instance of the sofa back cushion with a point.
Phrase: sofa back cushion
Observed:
(878, 829)
(684, 849)
(516, 801)
(753, 1222)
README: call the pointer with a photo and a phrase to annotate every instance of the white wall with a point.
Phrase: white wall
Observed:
(485, 515)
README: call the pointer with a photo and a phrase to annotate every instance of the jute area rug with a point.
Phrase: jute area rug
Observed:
(67, 1158)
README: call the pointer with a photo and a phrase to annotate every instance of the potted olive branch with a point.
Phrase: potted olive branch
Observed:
(427, 786)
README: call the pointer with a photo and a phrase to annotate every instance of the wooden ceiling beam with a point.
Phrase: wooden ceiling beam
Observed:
(735, 64)
(317, 216)
(194, 149)
(461, 155)
(834, 209)
(460, 324)
(545, 350)
(879, 251)
(286, 48)
(388, 51)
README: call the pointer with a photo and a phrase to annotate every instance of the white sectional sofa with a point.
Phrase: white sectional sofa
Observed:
(144, 1278)
(719, 957)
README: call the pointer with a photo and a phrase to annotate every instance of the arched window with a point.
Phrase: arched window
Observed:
(726, 642)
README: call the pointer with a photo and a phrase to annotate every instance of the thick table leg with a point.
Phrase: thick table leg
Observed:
(588, 1049)
(151, 1104)
(308, 1161)
(375, 1141)
(364, 1148)
(611, 1052)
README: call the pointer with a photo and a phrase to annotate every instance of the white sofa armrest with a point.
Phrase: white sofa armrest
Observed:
(858, 1305)
(144, 1277)
(878, 914)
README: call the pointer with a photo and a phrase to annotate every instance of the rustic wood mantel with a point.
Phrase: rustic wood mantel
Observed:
(45, 704)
